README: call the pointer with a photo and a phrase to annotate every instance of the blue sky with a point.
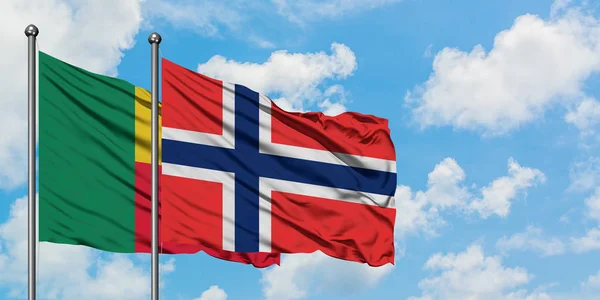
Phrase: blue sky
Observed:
(493, 110)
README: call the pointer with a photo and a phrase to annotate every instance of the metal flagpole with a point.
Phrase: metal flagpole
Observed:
(31, 32)
(154, 39)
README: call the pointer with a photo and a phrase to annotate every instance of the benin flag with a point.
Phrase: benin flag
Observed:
(94, 164)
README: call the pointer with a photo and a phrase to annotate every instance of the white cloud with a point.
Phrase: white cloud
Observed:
(213, 293)
(524, 295)
(592, 283)
(214, 18)
(559, 6)
(332, 109)
(589, 242)
(303, 274)
(415, 214)
(593, 205)
(420, 211)
(203, 16)
(585, 117)
(90, 34)
(498, 195)
(333, 104)
(308, 10)
(210, 17)
(585, 175)
(532, 66)
(486, 276)
(117, 278)
(443, 183)
(588, 290)
(68, 271)
(298, 78)
(261, 42)
(167, 267)
(532, 240)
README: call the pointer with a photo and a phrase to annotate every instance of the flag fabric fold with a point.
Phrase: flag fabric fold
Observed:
(94, 165)
(240, 174)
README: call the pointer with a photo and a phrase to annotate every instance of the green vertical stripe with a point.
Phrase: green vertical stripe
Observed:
(86, 158)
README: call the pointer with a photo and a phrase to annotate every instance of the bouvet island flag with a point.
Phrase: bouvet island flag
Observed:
(240, 174)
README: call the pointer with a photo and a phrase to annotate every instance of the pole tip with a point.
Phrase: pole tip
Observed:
(154, 38)
(31, 30)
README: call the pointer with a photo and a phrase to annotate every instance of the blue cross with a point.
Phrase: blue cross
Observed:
(248, 164)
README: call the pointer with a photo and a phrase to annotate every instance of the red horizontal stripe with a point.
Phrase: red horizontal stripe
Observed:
(350, 133)
(348, 231)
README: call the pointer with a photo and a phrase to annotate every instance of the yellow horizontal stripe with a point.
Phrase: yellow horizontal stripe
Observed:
(143, 123)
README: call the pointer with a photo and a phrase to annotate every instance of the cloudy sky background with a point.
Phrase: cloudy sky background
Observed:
(494, 112)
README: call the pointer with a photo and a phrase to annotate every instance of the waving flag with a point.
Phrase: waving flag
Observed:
(94, 161)
(240, 174)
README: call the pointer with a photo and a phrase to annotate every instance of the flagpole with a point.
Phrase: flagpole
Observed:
(31, 32)
(154, 39)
